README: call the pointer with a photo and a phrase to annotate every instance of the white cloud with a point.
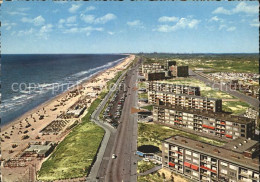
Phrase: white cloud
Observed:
(168, 19)
(87, 30)
(8, 25)
(254, 24)
(222, 27)
(231, 29)
(61, 21)
(17, 13)
(106, 18)
(46, 28)
(111, 33)
(71, 19)
(216, 19)
(101, 20)
(39, 20)
(90, 8)
(44, 31)
(221, 10)
(226, 28)
(74, 8)
(26, 32)
(87, 18)
(181, 24)
(242, 7)
(135, 23)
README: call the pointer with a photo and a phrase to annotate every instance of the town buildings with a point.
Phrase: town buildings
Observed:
(158, 71)
(217, 124)
(234, 162)
(177, 89)
(179, 71)
(190, 101)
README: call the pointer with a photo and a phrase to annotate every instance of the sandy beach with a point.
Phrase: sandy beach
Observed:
(29, 128)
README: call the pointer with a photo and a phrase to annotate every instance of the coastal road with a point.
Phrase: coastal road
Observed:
(123, 168)
(109, 133)
(250, 100)
(123, 143)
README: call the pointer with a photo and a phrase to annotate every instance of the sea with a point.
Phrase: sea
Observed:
(29, 80)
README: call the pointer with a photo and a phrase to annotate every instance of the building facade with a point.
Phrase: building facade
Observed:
(189, 101)
(218, 124)
(179, 71)
(177, 89)
(207, 163)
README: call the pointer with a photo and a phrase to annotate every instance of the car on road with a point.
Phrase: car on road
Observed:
(113, 156)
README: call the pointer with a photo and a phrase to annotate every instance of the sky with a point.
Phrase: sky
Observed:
(129, 27)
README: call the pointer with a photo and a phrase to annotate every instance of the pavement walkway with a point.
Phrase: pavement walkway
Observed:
(156, 168)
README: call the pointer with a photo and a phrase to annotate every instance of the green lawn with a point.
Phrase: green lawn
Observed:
(143, 166)
(141, 85)
(150, 107)
(143, 95)
(236, 107)
(72, 158)
(153, 134)
(156, 177)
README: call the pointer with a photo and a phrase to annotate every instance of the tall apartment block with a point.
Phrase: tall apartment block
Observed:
(217, 124)
(237, 161)
(189, 101)
(177, 89)
(179, 71)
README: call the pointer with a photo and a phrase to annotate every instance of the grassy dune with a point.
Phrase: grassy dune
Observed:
(74, 155)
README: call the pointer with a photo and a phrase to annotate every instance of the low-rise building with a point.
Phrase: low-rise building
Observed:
(236, 161)
(218, 124)
(153, 67)
(189, 101)
(177, 89)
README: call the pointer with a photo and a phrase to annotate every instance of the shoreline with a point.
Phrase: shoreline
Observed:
(49, 101)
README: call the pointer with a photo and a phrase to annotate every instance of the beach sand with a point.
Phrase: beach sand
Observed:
(29, 125)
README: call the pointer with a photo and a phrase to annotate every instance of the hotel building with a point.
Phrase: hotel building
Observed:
(236, 161)
(189, 101)
(177, 89)
(217, 124)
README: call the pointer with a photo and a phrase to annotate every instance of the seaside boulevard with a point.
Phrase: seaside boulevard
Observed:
(35, 128)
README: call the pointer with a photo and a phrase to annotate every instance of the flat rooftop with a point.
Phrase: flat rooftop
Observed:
(192, 96)
(217, 152)
(221, 116)
(177, 85)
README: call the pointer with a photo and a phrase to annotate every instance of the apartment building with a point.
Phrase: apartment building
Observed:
(179, 71)
(234, 162)
(177, 89)
(154, 76)
(190, 101)
(218, 124)
(153, 67)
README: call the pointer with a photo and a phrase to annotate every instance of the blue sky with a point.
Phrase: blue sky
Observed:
(119, 27)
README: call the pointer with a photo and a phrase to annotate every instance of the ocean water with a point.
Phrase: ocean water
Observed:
(29, 80)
